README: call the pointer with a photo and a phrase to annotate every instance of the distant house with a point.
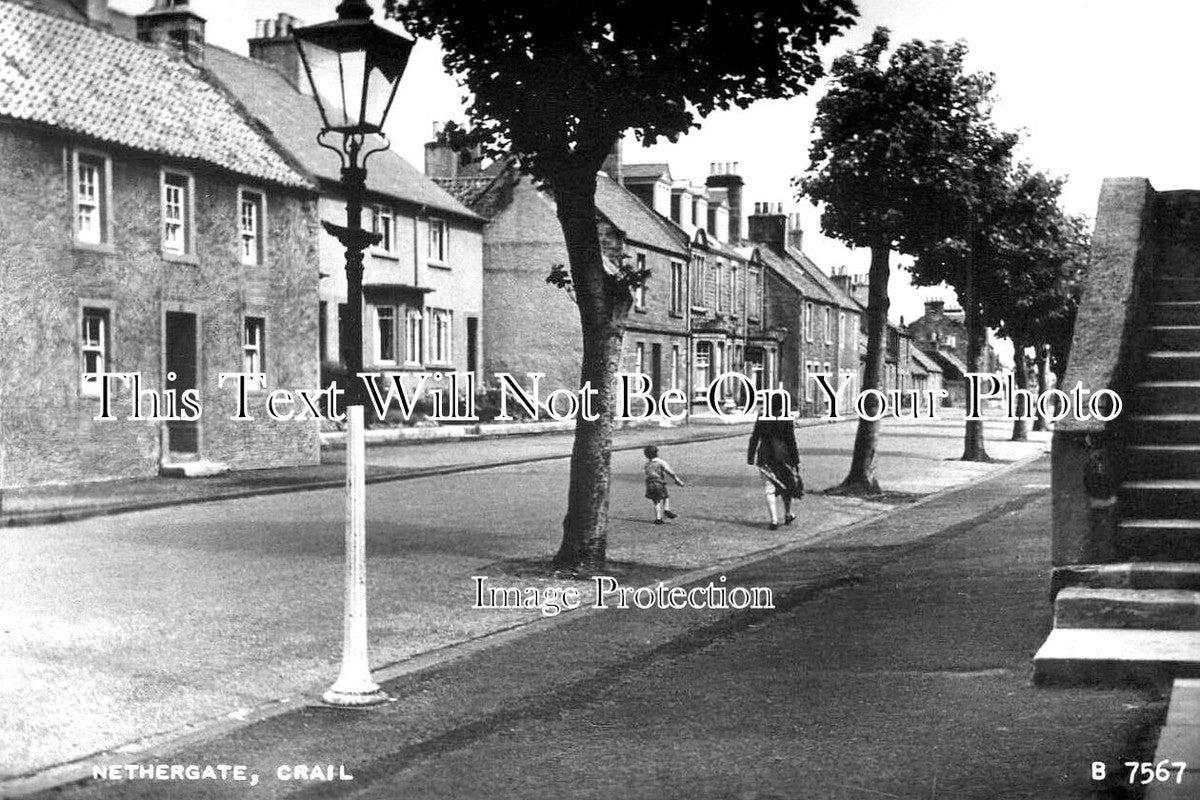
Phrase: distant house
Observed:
(423, 283)
(941, 334)
(701, 313)
(821, 320)
(727, 308)
(534, 326)
(927, 377)
(149, 226)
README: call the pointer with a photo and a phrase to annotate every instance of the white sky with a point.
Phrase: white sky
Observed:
(1100, 88)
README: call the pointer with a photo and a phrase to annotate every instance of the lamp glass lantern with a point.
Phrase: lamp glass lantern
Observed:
(354, 67)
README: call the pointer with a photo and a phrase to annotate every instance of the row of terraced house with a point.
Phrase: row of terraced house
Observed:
(162, 219)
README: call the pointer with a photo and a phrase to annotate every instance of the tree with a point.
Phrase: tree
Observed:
(556, 84)
(1038, 272)
(977, 213)
(893, 139)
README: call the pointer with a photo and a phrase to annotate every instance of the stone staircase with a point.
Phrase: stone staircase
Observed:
(1138, 618)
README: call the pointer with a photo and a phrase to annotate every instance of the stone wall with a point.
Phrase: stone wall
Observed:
(47, 430)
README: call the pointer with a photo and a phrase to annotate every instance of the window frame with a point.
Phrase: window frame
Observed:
(378, 341)
(442, 257)
(701, 276)
(259, 257)
(411, 315)
(254, 350)
(387, 242)
(187, 213)
(639, 291)
(92, 389)
(677, 283)
(441, 321)
(103, 200)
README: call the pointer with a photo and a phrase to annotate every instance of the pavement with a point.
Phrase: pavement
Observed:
(896, 663)
(388, 462)
(128, 633)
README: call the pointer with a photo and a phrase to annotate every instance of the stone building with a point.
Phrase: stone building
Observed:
(534, 326)
(149, 227)
(941, 334)
(423, 284)
(728, 323)
(822, 322)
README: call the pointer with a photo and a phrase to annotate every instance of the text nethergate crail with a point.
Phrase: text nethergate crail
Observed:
(453, 399)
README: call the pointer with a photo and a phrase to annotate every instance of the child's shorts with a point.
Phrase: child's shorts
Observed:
(656, 491)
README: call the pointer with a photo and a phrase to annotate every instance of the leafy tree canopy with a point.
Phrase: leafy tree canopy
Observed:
(557, 82)
(894, 139)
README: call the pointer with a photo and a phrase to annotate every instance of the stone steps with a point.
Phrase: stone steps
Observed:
(1158, 538)
(1160, 609)
(192, 469)
(1152, 398)
(1168, 365)
(1150, 461)
(1176, 312)
(1176, 289)
(1130, 575)
(1163, 428)
(1109, 656)
(1175, 337)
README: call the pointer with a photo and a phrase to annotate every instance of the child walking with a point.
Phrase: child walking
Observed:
(657, 472)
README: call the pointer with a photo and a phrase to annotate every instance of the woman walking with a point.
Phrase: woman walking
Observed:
(773, 449)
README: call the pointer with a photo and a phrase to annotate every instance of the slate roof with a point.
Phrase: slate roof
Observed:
(639, 223)
(294, 120)
(792, 273)
(924, 361)
(67, 75)
(656, 170)
(830, 289)
(957, 368)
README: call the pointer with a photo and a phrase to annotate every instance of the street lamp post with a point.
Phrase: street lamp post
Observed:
(354, 67)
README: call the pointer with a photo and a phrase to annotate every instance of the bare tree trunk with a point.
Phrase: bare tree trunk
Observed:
(1021, 375)
(603, 306)
(861, 479)
(973, 444)
(1043, 381)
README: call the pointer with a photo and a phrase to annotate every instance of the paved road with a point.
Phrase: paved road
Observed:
(896, 665)
(120, 628)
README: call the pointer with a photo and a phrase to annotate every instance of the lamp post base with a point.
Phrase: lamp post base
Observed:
(354, 699)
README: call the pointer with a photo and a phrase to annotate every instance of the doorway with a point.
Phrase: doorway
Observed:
(181, 359)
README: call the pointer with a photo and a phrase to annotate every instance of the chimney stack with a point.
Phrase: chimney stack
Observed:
(724, 176)
(613, 166)
(273, 44)
(97, 13)
(172, 23)
(795, 236)
(934, 308)
(768, 227)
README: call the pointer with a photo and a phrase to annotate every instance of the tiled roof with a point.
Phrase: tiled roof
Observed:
(64, 74)
(294, 120)
(639, 223)
(466, 190)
